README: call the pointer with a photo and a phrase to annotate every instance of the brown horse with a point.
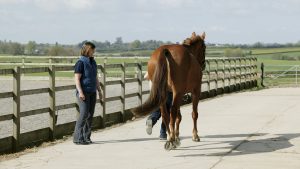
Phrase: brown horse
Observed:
(176, 68)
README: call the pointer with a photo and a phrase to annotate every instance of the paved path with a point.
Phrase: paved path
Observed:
(249, 130)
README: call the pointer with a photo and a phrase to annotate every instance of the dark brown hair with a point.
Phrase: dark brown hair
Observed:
(85, 48)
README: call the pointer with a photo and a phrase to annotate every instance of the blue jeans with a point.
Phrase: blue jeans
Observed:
(155, 116)
(83, 127)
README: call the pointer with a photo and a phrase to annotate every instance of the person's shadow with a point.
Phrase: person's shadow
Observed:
(132, 140)
(123, 141)
(248, 144)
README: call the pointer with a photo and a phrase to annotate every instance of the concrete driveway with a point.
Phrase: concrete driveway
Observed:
(248, 130)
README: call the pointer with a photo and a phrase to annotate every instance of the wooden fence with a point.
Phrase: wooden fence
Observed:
(230, 74)
(221, 76)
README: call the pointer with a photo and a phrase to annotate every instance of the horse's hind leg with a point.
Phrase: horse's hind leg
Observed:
(173, 114)
(165, 118)
(195, 99)
(178, 120)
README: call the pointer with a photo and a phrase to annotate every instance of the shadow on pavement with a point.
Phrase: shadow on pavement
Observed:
(250, 144)
(133, 140)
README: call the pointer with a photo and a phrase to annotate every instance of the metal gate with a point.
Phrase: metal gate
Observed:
(280, 75)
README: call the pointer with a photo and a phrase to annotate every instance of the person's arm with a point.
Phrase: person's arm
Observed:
(78, 86)
(79, 69)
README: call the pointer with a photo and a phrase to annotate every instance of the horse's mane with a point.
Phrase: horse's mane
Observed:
(192, 40)
(189, 43)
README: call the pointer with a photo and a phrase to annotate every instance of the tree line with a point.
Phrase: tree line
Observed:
(258, 45)
(34, 48)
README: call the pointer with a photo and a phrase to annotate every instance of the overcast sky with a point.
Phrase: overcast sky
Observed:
(224, 21)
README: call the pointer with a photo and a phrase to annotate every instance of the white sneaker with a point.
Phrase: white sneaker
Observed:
(149, 126)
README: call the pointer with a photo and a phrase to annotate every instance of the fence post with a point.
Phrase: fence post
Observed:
(223, 60)
(103, 89)
(229, 60)
(136, 68)
(140, 82)
(123, 91)
(217, 75)
(23, 64)
(16, 108)
(262, 67)
(235, 73)
(248, 70)
(240, 60)
(296, 75)
(253, 72)
(52, 105)
(255, 68)
(245, 73)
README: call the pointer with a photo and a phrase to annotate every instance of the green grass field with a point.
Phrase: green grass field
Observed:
(263, 51)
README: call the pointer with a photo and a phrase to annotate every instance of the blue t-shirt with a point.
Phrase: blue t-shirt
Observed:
(88, 78)
(79, 67)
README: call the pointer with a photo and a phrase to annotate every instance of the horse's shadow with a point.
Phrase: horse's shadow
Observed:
(260, 143)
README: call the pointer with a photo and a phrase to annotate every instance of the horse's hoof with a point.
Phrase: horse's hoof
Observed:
(177, 142)
(196, 139)
(169, 145)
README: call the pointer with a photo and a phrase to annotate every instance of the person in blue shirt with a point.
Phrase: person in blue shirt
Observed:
(87, 84)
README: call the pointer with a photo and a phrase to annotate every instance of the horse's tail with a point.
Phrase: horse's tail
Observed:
(158, 92)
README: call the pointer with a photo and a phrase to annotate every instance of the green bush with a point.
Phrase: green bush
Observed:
(238, 52)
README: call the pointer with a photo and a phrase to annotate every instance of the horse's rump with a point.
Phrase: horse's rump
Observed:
(176, 68)
(159, 78)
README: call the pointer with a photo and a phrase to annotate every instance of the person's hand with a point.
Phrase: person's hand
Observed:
(81, 96)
